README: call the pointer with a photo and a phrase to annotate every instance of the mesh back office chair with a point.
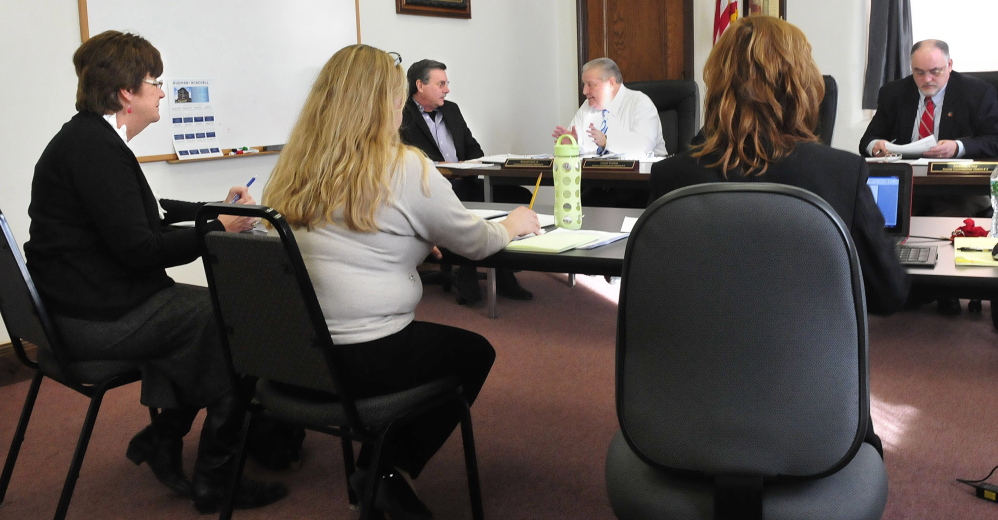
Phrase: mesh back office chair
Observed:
(275, 332)
(678, 104)
(741, 372)
(827, 110)
(26, 321)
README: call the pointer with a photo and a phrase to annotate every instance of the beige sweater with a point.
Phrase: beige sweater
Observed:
(367, 283)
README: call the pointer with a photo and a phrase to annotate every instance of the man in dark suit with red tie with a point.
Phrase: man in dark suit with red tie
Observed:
(964, 115)
(960, 111)
(436, 126)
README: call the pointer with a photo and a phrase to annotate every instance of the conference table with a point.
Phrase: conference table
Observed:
(607, 260)
(495, 174)
(945, 279)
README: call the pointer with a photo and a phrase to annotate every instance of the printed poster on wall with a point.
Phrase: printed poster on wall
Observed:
(193, 119)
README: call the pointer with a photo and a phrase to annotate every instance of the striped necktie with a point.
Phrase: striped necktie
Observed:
(927, 125)
(602, 128)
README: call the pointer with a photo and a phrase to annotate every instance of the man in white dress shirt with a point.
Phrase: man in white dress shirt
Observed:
(632, 126)
(614, 120)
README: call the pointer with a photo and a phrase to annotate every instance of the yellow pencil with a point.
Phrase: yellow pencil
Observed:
(536, 187)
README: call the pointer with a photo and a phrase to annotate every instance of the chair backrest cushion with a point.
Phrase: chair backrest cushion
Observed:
(678, 104)
(990, 76)
(268, 321)
(827, 110)
(741, 344)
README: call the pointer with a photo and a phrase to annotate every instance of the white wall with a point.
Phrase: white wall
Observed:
(512, 66)
(966, 25)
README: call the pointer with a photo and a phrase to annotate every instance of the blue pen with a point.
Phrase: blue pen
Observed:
(248, 184)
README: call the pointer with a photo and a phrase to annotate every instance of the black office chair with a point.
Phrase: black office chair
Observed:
(741, 371)
(27, 322)
(678, 104)
(827, 110)
(990, 76)
(275, 333)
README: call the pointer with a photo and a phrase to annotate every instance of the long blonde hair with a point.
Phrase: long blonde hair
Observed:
(763, 93)
(345, 145)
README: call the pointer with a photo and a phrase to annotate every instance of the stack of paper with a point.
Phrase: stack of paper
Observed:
(561, 240)
(974, 251)
(552, 242)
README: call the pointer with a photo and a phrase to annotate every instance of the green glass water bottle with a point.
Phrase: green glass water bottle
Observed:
(567, 183)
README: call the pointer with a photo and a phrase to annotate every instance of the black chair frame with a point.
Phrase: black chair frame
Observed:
(316, 368)
(27, 321)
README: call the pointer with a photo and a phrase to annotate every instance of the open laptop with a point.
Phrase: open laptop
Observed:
(891, 184)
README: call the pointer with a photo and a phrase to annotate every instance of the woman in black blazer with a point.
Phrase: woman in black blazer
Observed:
(761, 110)
(99, 248)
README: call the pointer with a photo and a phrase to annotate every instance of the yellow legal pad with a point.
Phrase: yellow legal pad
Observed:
(552, 242)
(974, 257)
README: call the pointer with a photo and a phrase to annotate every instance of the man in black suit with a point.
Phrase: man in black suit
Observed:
(436, 126)
(964, 121)
(965, 109)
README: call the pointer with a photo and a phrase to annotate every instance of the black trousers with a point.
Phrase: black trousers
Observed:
(418, 354)
(175, 337)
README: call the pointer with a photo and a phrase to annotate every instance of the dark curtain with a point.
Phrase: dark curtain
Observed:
(888, 52)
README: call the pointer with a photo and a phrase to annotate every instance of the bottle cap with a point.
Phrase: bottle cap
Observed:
(566, 150)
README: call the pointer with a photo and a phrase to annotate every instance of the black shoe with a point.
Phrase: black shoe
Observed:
(508, 287)
(948, 306)
(396, 499)
(468, 290)
(250, 494)
(164, 456)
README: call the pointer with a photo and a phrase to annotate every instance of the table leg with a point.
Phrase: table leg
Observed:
(488, 188)
(490, 292)
(571, 279)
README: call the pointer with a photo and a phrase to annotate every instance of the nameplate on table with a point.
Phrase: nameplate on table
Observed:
(532, 164)
(614, 165)
(962, 168)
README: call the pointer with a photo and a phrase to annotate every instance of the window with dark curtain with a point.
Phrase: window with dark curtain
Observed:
(888, 50)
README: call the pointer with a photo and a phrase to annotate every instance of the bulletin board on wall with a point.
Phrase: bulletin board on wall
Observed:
(260, 57)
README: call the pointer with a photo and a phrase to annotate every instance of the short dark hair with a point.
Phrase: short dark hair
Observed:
(421, 71)
(939, 44)
(109, 62)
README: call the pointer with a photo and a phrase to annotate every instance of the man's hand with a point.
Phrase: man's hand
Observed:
(879, 148)
(598, 137)
(944, 150)
(560, 131)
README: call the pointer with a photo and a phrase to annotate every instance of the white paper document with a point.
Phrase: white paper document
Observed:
(912, 150)
(501, 158)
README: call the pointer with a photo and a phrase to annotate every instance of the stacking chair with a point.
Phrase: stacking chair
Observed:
(742, 384)
(275, 334)
(26, 321)
(678, 105)
(827, 110)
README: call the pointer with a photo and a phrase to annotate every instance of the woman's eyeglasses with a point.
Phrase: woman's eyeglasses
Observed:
(398, 58)
(158, 83)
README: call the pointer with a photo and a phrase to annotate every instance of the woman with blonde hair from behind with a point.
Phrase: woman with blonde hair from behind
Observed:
(366, 210)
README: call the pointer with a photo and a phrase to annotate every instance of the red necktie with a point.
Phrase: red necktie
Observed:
(927, 126)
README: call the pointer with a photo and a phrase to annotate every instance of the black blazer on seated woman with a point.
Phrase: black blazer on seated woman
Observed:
(838, 177)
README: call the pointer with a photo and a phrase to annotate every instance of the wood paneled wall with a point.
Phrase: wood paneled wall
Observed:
(649, 39)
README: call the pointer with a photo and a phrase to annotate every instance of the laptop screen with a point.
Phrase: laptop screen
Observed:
(891, 186)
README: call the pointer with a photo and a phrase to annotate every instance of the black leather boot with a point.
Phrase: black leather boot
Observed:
(216, 461)
(161, 445)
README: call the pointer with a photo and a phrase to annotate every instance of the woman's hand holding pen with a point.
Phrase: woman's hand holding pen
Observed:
(241, 195)
(522, 221)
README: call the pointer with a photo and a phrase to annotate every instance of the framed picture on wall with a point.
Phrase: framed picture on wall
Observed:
(447, 8)
(776, 8)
